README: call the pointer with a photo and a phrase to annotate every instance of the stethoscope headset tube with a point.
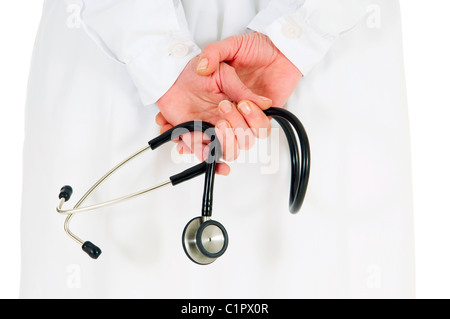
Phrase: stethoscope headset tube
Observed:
(203, 239)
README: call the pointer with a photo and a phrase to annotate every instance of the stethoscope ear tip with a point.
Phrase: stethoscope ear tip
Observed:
(93, 251)
(65, 192)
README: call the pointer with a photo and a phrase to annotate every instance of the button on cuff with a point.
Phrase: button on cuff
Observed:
(179, 50)
(292, 30)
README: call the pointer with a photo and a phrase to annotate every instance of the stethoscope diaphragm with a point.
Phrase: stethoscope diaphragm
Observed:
(204, 240)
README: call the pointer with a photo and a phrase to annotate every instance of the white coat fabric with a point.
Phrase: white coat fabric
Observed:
(99, 67)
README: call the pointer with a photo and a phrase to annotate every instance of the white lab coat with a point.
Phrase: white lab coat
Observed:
(98, 68)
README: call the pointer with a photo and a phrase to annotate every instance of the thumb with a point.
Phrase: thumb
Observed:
(232, 86)
(215, 53)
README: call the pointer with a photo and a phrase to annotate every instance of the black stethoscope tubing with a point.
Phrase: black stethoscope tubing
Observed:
(300, 159)
(300, 162)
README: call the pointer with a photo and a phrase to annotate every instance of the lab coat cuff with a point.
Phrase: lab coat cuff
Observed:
(296, 39)
(155, 70)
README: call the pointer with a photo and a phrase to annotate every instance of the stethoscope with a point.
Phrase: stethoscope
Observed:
(203, 239)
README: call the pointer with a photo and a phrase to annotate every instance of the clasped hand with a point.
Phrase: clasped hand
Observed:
(229, 85)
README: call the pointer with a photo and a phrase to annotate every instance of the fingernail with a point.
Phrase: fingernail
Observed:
(203, 64)
(225, 106)
(265, 98)
(222, 125)
(244, 107)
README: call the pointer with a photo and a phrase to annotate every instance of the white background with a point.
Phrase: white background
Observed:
(426, 26)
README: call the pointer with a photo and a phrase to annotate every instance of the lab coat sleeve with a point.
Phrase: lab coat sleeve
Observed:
(151, 38)
(305, 30)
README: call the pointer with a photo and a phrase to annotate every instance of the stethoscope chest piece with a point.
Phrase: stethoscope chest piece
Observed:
(204, 240)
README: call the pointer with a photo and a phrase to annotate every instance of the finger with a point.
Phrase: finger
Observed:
(244, 135)
(255, 118)
(236, 90)
(195, 143)
(217, 52)
(195, 140)
(223, 169)
(165, 128)
(230, 149)
(160, 119)
(183, 148)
